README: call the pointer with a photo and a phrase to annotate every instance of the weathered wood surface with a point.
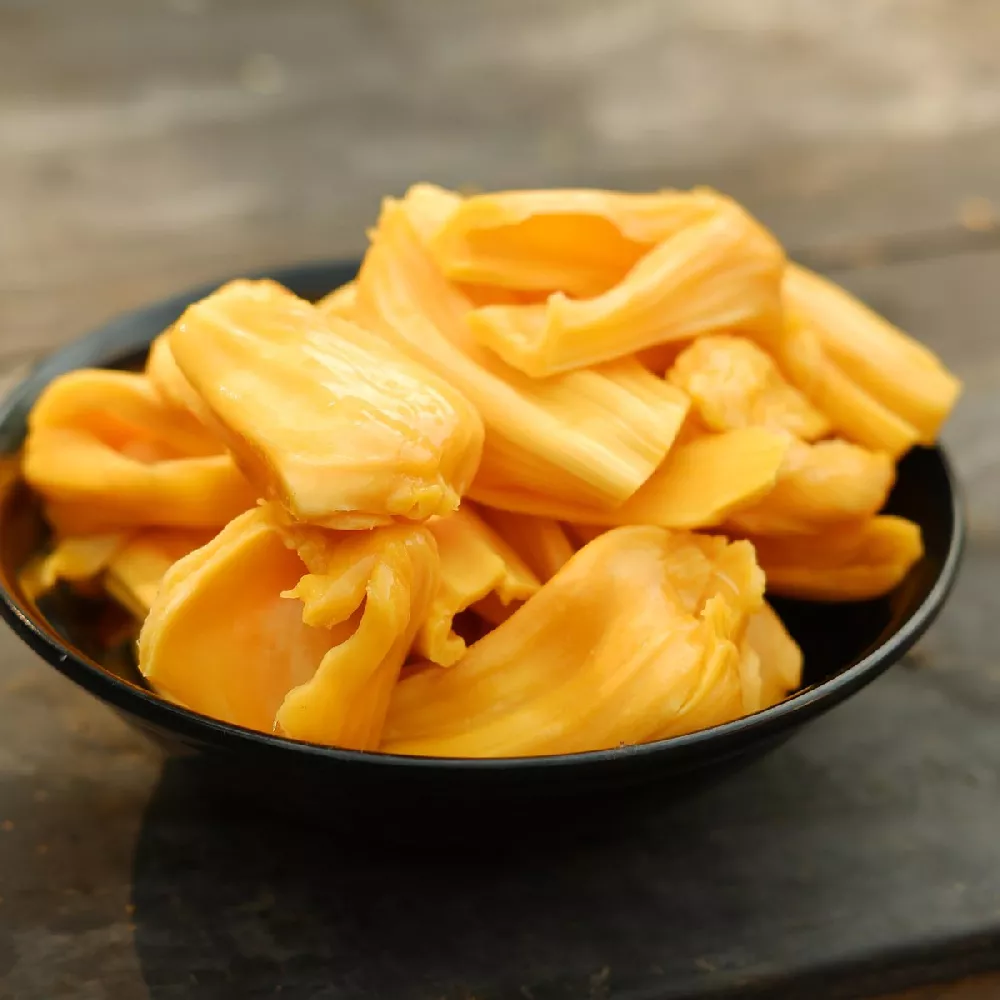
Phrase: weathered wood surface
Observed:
(147, 145)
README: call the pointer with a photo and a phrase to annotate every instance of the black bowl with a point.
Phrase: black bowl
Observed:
(846, 646)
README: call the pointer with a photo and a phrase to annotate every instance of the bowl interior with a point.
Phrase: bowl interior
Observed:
(834, 638)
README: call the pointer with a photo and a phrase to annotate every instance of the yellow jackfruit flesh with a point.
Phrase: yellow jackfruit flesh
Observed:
(313, 646)
(106, 453)
(897, 372)
(720, 273)
(818, 485)
(770, 661)
(699, 485)
(541, 542)
(76, 560)
(580, 242)
(323, 416)
(847, 563)
(135, 571)
(734, 383)
(651, 619)
(853, 412)
(596, 435)
(475, 562)
(340, 302)
(171, 385)
(128, 567)
(458, 506)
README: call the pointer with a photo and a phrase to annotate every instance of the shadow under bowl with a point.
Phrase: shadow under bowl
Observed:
(845, 647)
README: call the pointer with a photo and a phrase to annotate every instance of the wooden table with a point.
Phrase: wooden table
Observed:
(149, 144)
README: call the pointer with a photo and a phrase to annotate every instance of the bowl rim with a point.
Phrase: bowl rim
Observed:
(193, 726)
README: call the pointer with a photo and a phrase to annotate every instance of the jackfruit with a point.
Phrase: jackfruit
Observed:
(322, 416)
(719, 273)
(580, 242)
(635, 638)
(105, 453)
(699, 485)
(475, 562)
(897, 372)
(596, 435)
(853, 562)
(312, 643)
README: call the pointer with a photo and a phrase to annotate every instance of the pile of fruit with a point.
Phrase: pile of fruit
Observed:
(518, 489)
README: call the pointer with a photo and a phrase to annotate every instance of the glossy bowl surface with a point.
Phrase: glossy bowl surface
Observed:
(845, 646)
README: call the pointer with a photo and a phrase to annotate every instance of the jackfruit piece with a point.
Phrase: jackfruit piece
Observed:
(340, 302)
(124, 411)
(135, 570)
(700, 484)
(292, 629)
(581, 242)
(171, 385)
(105, 453)
(734, 383)
(429, 208)
(853, 412)
(77, 560)
(596, 435)
(847, 563)
(770, 661)
(635, 638)
(896, 371)
(475, 562)
(820, 485)
(719, 273)
(541, 542)
(322, 415)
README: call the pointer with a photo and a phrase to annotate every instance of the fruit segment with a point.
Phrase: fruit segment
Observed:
(580, 242)
(722, 272)
(134, 573)
(106, 453)
(849, 563)
(699, 485)
(128, 567)
(820, 485)
(321, 415)
(171, 385)
(541, 542)
(596, 435)
(734, 383)
(900, 374)
(853, 412)
(292, 629)
(76, 560)
(770, 661)
(475, 562)
(636, 637)
(340, 302)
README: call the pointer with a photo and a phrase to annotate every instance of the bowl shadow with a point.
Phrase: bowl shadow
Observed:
(233, 903)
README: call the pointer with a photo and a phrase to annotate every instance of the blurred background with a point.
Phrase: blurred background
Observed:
(146, 144)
